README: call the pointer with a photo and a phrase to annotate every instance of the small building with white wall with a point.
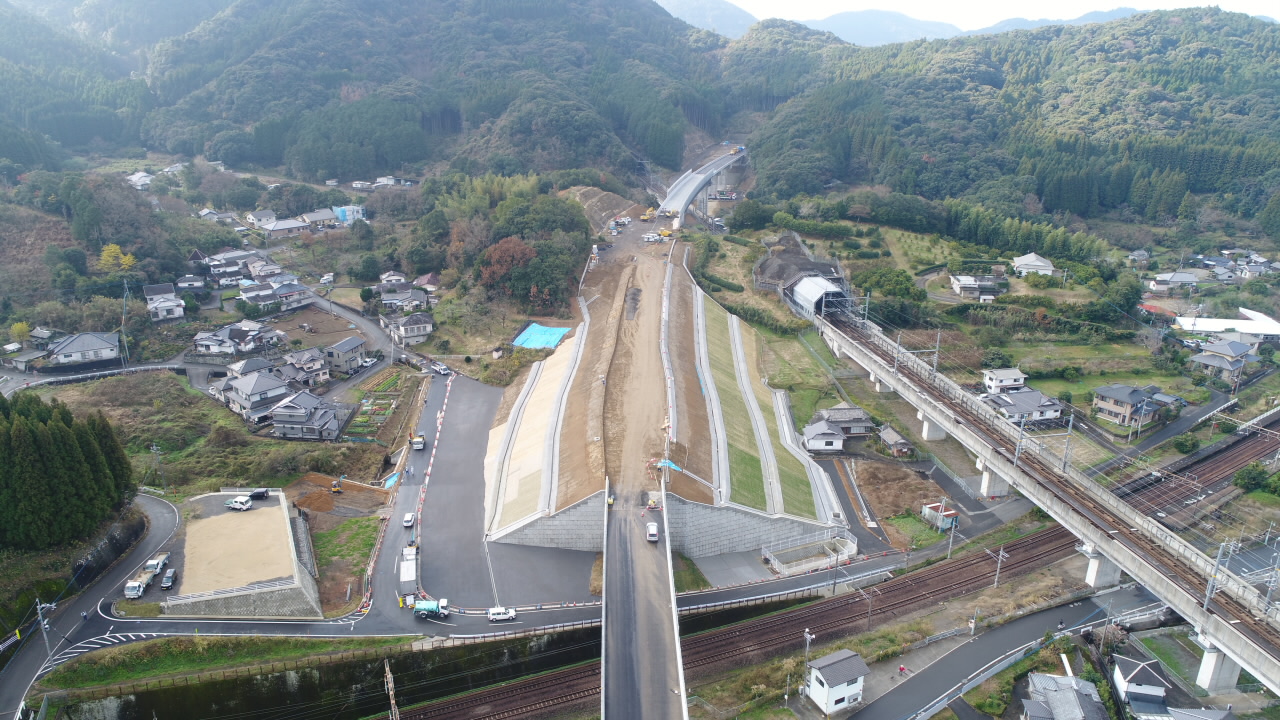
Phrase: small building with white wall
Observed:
(835, 681)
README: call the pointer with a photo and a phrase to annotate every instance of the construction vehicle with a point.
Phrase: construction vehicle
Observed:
(418, 442)
(431, 608)
(157, 563)
(735, 150)
(336, 486)
(665, 233)
(409, 572)
(139, 584)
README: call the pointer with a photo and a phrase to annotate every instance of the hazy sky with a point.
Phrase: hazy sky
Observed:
(984, 13)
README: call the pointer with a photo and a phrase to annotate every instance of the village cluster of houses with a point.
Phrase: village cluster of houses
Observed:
(264, 391)
(413, 300)
(828, 429)
(319, 219)
(986, 288)
(1235, 266)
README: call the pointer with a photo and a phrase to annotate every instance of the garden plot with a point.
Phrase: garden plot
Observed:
(382, 394)
(746, 475)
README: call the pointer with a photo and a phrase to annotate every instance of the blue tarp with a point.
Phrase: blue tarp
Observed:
(537, 336)
(390, 482)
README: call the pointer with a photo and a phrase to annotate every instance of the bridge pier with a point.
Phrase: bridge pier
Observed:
(930, 431)
(1217, 671)
(992, 484)
(1101, 572)
(878, 384)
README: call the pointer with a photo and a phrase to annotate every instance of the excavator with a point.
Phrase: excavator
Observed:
(336, 487)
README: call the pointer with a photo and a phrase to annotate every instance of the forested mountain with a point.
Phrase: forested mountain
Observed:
(1132, 113)
(124, 25)
(720, 16)
(333, 88)
(870, 28)
(1097, 16)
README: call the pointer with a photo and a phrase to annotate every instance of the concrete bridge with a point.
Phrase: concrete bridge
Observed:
(685, 189)
(1235, 625)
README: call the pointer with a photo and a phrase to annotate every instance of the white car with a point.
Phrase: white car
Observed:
(368, 362)
(409, 519)
(500, 614)
(651, 532)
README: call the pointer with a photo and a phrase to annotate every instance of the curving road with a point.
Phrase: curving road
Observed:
(685, 189)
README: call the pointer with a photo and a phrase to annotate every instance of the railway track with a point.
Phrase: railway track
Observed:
(1170, 494)
(902, 594)
(1088, 507)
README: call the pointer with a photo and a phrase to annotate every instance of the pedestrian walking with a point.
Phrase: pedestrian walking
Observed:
(902, 669)
(84, 615)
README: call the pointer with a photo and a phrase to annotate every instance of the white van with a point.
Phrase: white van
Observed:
(499, 614)
(651, 532)
(241, 503)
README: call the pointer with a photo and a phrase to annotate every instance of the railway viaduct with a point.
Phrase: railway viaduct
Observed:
(683, 190)
(1233, 621)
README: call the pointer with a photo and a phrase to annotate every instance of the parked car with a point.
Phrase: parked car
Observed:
(651, 532)
(409, 519)
(441, 368)
(500, 614)
(260, 494)
(368, 362)
(170, 576)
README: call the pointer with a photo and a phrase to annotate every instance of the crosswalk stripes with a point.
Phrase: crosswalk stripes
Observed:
(96, 643)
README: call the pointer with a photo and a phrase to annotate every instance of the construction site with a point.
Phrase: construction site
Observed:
(655, 379)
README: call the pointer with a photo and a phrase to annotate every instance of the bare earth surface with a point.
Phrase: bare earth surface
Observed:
(692, 449)
(581, 454)
(235, 549)
(891, 488)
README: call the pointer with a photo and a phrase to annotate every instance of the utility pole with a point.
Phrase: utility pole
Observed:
(164, 481)
(973, 624)
(1000, 556)
(937, 350)
(1066, 452)
(808, 636)
(391, 691)
(1022, 431)
(897, 353)
(1271, 583)
(44, 624)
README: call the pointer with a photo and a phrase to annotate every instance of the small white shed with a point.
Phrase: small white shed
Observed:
(835, 681)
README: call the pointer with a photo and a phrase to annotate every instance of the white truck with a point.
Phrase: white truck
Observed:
(139, 584)
(418, 442)
(409, 572)
(157, 563)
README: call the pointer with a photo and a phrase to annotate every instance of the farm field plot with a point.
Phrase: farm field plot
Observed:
(747, 478)
(797, 492)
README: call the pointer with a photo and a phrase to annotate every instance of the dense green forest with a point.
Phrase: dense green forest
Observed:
(60, 476)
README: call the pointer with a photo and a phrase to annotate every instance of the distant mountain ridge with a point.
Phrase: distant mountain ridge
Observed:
(871, 28)
(719, 16)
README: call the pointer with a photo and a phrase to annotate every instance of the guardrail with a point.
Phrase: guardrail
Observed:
(270, 585)
(66, 379)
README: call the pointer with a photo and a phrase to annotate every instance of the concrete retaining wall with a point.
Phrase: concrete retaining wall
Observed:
(577, 527)
(300, 600)
(699, 530)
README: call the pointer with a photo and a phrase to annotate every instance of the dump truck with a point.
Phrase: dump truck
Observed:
(139, 584)
(418, 442)
(157, 563)
(665, 233)
(431, 608)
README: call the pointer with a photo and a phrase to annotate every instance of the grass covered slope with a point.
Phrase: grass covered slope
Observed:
(745, 473)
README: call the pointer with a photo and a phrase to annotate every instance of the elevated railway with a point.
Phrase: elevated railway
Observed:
(1236, 617)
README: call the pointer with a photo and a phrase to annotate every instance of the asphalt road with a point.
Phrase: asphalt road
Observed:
(683, 191)
(640, 678)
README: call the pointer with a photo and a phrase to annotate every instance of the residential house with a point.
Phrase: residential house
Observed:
(393, 180)
(318, 219)
(162, 302)
(835, 680)
(823, 436)
(173, 169)
(1255, 323)
(304, 367)
(361, 185)
(42, 337)
(346, 354)
(85, 348)
(293, 296)
(140, 180)
(898, 445)
(429, 282)
(245, 336)
(1139, 258)
(303, 416)
(392, 276)
(263, 269)
(257, 293)
(11, 348)
(252, 396)
(1032, 263)
(23, 361)
(283, 278)
(1139, 680)
(1125, 404)
(331, 183)
(1054, 697)
(1234, 253)
(1223, 275)
(215, 216)
(1165, 283)
(284, 228)
(1026, 404)
(1224, 360)
(940, 516)
(410, 298)
(409, 330)
(983, 288)
(1002, 380)
(248, 366)
(258, 218)
(1248, 272)
(348, 214)
(197, 257)
(193, 283)
(828, 429)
